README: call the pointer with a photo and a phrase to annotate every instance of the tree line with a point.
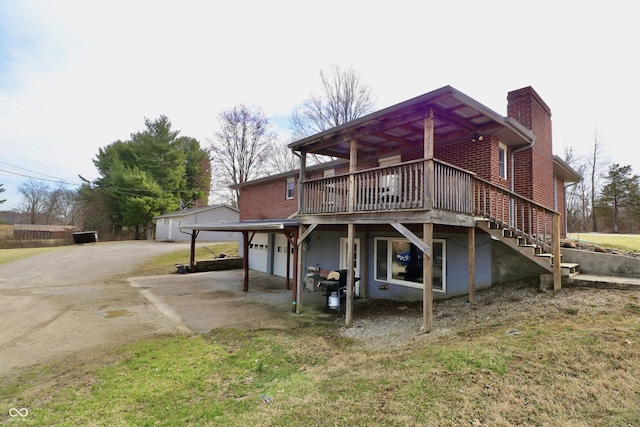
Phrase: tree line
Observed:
(607, 198)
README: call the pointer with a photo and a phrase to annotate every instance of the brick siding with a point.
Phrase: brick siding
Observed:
(267, 201)
(533, 167)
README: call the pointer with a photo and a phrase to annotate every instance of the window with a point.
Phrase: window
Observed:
(398, 261)
(502, 160)
(291, 185)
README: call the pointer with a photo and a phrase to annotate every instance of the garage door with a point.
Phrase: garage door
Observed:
(280, 257)
(259, 252)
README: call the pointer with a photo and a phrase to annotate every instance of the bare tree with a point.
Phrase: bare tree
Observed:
(596, 164)
(342, 98)
(240, 150)
(2, 190)
(575, 193)
(283, 159)
(35, 201)
(62, 206)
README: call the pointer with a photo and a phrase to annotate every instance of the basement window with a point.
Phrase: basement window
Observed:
(399, 262)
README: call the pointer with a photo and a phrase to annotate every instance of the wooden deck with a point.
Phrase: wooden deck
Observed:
(406, 193)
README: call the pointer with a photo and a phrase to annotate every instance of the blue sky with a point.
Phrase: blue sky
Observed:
(78, 75)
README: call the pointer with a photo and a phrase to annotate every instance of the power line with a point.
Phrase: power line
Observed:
(129, 191)
(57, 180)
(32, 171)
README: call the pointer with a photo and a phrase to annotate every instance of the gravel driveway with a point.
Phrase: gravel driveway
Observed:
(73, 299)
(78, 298)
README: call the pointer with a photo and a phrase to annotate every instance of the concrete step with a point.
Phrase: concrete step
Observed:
(570, 269)
(597, 281)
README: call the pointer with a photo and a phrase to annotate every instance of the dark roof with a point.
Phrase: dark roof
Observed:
(291, 173)
(457, 117)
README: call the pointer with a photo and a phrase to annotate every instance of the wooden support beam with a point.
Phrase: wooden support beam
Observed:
(301, 178)
(472, 263)
(429, 168)
(353, 167)
(288, 278)
(306, 233)
(245, 261)
(348, 320)
(192, 253)
(291, 243)
(297, 294)
(420, 244)
(557, 254)
(427, 282)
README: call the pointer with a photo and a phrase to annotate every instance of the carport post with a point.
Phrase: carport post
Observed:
(192, 255)
(245, 261)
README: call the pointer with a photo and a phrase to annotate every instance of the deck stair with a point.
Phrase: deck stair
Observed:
(528, 247)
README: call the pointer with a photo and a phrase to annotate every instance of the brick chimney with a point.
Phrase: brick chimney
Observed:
(533, 167)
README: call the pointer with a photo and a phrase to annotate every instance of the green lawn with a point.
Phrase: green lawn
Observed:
(627, 242)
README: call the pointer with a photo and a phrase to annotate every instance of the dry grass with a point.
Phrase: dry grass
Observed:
(10, 255)
(165, 264)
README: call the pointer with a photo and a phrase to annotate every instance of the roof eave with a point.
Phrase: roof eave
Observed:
(564, 171)
(269, 225)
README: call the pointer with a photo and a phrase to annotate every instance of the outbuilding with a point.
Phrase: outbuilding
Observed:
(168, 225)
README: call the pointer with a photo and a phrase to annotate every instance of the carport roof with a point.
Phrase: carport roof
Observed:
(256, 226)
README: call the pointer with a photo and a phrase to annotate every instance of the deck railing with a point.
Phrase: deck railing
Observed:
(390, 188)
(515, 213)
(402, 187)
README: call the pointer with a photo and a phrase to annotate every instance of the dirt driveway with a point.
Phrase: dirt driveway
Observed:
(78, 299)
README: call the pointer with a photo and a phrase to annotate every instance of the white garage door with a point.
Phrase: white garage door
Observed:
(280, 257)
(259, 252)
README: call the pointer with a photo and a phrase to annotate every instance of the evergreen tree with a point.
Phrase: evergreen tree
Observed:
(154, 172)
(621, 193)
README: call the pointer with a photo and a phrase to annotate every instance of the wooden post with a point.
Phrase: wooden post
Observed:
(429, 185)
(245, 261)
(472, 263)
(192, 255)
(427, 281)
(557, 255)
(348, 320)
(297, 296)
(353, 166)
(303, 166)
(288, 279)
